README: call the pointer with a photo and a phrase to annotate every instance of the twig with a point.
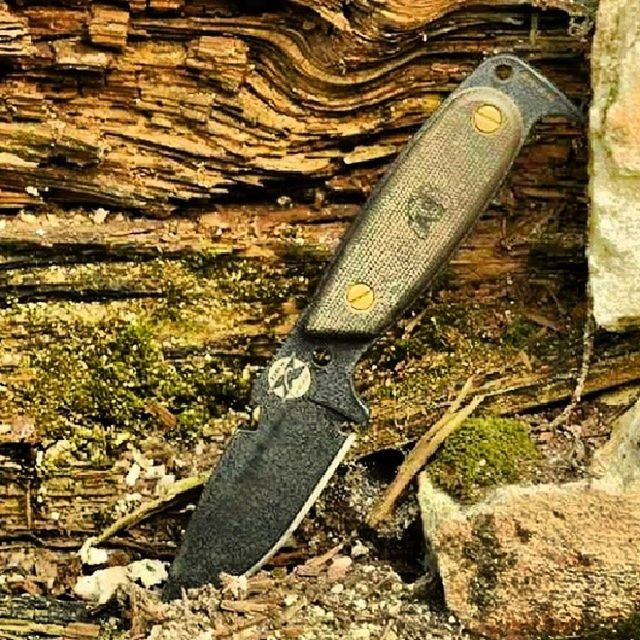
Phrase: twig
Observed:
(29, 508)
(424, 449)
(315, 566)
(145, 510)
(587, 352)
(240, 626)
(245, 606)
(457, 403)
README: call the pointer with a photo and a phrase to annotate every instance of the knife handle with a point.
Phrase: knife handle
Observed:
(430, 198)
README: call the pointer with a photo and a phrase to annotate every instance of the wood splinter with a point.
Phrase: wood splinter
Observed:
(424, 449)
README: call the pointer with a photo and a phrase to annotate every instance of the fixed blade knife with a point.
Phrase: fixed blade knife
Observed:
(268, 477)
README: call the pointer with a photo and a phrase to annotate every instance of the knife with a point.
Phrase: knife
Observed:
(418, 214)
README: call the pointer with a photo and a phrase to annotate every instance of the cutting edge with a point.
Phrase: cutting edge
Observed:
(313, 496)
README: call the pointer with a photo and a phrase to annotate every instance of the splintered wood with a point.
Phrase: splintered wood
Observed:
(108, 26)
(187, 105)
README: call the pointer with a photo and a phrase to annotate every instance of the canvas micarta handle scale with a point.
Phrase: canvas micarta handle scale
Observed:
(430, 198)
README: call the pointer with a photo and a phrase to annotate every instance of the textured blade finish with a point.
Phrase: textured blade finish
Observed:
(265, 483)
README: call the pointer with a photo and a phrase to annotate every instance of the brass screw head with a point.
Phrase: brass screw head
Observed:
(360, 296)
(487, 118)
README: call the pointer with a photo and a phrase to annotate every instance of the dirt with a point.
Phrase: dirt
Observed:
(335, 596)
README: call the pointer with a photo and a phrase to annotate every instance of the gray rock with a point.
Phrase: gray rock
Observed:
(614, 240)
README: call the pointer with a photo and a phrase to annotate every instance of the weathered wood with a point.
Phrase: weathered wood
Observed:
(37, 617)
(187, 168)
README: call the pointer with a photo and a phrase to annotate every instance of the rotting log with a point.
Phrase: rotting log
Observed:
(35, 616)
(173, 178)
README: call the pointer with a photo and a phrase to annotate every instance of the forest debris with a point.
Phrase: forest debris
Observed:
(162, 415)
(588, 337)
(316, 565)
(370, 601)
(90, 555)
(152, 506)
(81, 631)
(244, 606)
(359, 550)
(103, 584)
(99, 215)
(234, 585)
(19, 429)
(36, 617)
(132, 475)
(149, 573)
(241, 625)
(339, 568)
(423, 450)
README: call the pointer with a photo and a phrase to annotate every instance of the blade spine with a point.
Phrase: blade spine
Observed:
(313, 496)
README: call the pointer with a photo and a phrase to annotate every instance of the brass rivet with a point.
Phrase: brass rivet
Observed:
(360, 296)
(487, 118)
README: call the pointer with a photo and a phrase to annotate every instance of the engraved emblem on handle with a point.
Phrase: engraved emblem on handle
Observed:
(423, 211)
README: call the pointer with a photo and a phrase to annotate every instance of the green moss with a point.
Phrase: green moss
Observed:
(252, 280)
(482, 453)
(92, 392)
(627, 630)
(104, 377)
(519, 332)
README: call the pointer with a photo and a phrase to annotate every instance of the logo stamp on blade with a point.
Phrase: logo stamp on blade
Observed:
(289, 377)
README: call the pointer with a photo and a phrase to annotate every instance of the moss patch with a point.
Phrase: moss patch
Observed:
(519, 332)
(482, 453)
(252, 280)
(97, 388)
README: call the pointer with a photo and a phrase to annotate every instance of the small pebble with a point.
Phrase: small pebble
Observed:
(338, 568)
(359, 604)
(317, 612)
(359, 550)
(290, 598)
(133, 474)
